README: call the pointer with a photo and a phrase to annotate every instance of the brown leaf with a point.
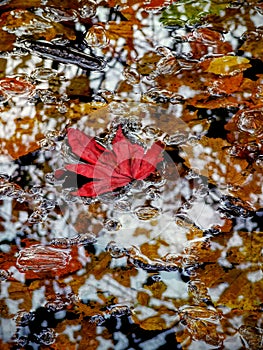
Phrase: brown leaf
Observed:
(35, 26)
(212, 159)
(151, 323)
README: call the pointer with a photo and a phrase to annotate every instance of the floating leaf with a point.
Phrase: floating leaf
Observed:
(228, 65)
(190, 13)
(25, 23)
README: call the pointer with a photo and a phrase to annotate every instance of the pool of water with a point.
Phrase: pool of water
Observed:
(131, 174)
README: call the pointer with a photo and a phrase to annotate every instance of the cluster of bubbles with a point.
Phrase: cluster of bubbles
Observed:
(24, 336)
(80, 239)
(114, 311)
(170, 262)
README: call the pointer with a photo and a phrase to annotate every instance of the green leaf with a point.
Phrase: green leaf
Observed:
(190, 13)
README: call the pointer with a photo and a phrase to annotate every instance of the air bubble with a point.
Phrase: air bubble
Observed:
(43, 74)
(37, 216)
(153, 132)
(115, 251)
(86, 238)
(62, 108)
(176, 139)
(119, 311)
(48, 204)
(112, 225)
(259, 161)
(21, 341)
(4, 275)
(152, 193)
(50, 177)
(54, 306)
(132, 76)
(24, 318)
(46, 336)
(80, 239)
(192, 174)
(4, 178)
(201, 191)
(251, 121)
(88, 10)
(97, 37)
(146, 212)
(97, 319)
(123, 206)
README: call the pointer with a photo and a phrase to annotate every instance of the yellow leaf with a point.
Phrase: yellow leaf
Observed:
(228, 65)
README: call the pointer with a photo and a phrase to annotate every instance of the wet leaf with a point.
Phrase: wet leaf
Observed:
(228, 65)
(209, 155)
(253, 42)
(190, 13)
(25, 23)
(236, 262)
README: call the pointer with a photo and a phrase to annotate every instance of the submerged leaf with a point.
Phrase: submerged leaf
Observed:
(189, 12)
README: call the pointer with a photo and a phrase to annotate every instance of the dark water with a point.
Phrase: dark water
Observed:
(163, 249)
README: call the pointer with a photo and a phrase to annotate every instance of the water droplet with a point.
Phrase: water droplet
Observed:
(46, 336)
(88, 9)
(193, 174)
(37, 216)
(86, 238)
(43, 74)
(47, 144)
(21, 340)
(112, 225)
(114, 250)
(176, 139)
(132, 76)
(201, 191)
(251, 121)
(119, 311)
(97, 37)
(259, 161)
(146, 212)
(4, 275)
(97, 319)
(23, 318)
(61, 242)
(153, 132)
(123, 206)
(62, 108)
(4, 178)
(50, 177)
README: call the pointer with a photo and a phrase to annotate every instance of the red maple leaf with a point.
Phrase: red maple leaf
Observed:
(107, 170)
